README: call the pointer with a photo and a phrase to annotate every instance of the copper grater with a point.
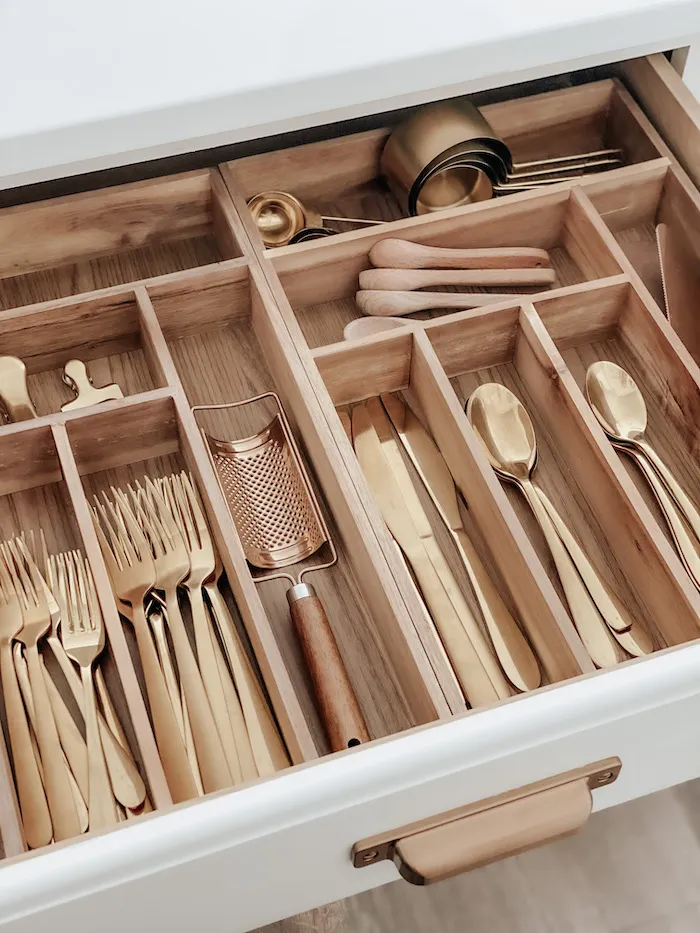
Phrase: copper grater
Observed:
(280, 523)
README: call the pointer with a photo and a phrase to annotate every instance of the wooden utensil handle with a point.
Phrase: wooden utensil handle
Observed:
(409, 279)
(338, 704)
(64, 814)
(381, 303)
(393, 253)
(215, 772)
(171, 746)
(34, 808)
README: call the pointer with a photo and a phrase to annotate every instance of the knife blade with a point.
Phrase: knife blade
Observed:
(380, 458)
(512, 648)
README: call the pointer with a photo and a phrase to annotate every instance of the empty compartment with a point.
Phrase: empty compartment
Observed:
(404, 365)
(35, 502)
(51, 249)
(220, 358)
(615, 323)
(104, 333)
(575, 467)
(340, 177)
(321, 281)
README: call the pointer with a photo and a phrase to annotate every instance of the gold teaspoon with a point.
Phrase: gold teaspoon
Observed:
(506, 432)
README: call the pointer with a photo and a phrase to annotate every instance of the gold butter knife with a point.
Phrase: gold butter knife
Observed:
(389, 494)
(512, 648)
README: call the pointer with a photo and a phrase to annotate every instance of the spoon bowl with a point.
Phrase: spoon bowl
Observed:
(505, 430)
(616, 401)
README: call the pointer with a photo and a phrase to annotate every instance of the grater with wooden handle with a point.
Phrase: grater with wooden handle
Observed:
(280, 523)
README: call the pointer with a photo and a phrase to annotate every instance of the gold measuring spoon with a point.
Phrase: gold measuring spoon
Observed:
(506, 432)
(619, 406)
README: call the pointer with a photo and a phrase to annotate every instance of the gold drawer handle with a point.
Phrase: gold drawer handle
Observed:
(478, 833)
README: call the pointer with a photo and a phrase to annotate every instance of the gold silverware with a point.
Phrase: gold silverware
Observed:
(75, 375)
(14, 395)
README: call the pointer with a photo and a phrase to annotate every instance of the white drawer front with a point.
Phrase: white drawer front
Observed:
(249, 858)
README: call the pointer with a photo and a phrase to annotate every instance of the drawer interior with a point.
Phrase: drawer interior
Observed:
(164, 288)
(566, 121)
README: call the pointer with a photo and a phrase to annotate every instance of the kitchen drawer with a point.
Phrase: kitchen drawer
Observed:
(166, 283)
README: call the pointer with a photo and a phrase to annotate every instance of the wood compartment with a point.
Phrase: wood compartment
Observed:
(81, 242)
(105, 332)
(576, 466)
(320, 280)
(406, 363)
(617, 323)
(570, 120)
(632, 209)
(231, 353)
(35, 497)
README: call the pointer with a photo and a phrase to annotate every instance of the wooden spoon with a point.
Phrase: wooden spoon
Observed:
(368, 326)
(384, 304)
(393, 253)
(408, 279)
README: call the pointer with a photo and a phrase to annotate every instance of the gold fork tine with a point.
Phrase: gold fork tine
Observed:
(112, 548)
(37, 581)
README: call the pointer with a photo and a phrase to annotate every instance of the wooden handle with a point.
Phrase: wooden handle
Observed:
(479, 833)
(394, 304)
(593, 631)
(409, 279)
(101, 807)
(512, 648)
(213, 685)
(64, 814)
(267, 746)
(171, 746)
(337, 702)
(213, 768)
(34, 808)
(393, 253)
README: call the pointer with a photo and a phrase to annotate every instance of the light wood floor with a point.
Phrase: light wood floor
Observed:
(634, 869)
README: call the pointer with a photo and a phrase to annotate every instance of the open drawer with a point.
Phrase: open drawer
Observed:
(176, 300)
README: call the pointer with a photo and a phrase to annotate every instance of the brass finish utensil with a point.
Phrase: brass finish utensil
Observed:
(36, 621)
(130, 565)
(281, 218)
(14, 395)
(471, 657)
(82, 633)
(409, 279)
(393, 253)
(512, 649)
(36, 818)
(619, 406)
(280, 523)
(507, 435)
(381, 303)
(172, 567)
(75, 375)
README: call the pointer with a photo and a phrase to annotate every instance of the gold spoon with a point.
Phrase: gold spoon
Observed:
(619, 406)
(505, 430)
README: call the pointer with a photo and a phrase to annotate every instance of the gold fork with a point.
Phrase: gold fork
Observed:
(34, 808)
(83, 637)
(177, 492)
(172, 567)
(132, 572)
(36, 621)
(126, 782)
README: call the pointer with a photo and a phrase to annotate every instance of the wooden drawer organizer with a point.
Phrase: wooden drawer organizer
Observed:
(165, 288)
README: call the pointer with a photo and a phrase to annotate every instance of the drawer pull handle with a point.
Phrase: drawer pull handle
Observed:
(498, 827)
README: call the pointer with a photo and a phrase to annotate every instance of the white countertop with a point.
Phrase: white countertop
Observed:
(89, 86)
